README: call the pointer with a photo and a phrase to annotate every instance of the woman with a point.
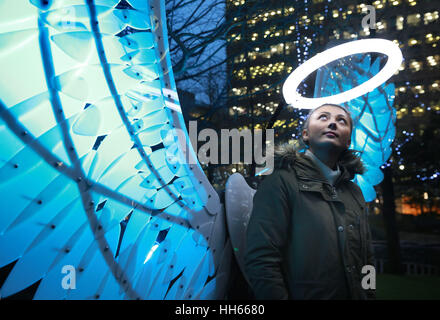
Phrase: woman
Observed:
(308, 236)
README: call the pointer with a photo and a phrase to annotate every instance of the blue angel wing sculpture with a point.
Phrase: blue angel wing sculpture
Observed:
(374, 117)
(97, 174)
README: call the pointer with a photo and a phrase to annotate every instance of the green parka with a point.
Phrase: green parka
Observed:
(307, 239)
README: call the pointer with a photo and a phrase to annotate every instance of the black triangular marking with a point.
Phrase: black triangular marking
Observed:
(5, 270)
(98, 142)
(157, 147)
(123, 4)
(173, 281)
(209, 278)
(123, 225)
(162, 235)
(25, 294)
(129, 30)
(101, 205)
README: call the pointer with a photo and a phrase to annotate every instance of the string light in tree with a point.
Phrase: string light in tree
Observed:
(408, 137)
(398, 148)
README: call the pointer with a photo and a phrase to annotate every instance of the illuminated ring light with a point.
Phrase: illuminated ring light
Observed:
(294, 99)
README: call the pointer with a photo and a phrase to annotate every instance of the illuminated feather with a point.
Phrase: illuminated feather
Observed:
(97, 170)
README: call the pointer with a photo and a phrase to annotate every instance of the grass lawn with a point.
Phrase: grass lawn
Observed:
(396, 287)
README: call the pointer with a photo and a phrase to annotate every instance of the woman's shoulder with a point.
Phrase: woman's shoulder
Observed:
(279, 175)
(282, 179)
(357, 191)
(285, 156)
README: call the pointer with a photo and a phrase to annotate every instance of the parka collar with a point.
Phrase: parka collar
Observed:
(331, 175)
(306, 168)
(288, 156)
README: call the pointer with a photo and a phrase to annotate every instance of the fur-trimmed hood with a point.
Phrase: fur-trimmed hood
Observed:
(286, 155)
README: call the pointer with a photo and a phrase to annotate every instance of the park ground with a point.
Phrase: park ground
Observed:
(397, 287)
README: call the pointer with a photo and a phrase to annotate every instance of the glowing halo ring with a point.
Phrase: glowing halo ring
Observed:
(383, 46)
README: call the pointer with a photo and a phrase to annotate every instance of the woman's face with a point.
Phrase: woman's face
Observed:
(329, 128)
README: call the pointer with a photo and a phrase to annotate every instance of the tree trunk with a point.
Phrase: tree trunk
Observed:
(389, 214)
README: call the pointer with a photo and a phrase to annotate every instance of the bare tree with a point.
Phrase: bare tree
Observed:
(197, 32)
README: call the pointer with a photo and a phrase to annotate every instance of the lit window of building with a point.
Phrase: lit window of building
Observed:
(418, 89)
(400, 90)
(238, 91)
(269, 69)
(429, 38)
(418, 111)
(379, 4)
(399, 22)
(365, 32)
(346, 35)
(413, 19)
(279, 123)
(430, 17)
(240, 58)
(415, 65)
(401, 45)
(305, 20)
(401, 112)
(240, 74)
(255, 89)
(381, 26)
(433, 61)
(413, 42)
(335, 35)
(277, 48)
(235, 37)
(435, 86)
(318, 18)
(362, 8)
(237, 110)
(402, 67)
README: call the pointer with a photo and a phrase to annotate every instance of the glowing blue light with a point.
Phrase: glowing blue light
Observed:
(374, 128)
(150, 253)
(93, 173)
